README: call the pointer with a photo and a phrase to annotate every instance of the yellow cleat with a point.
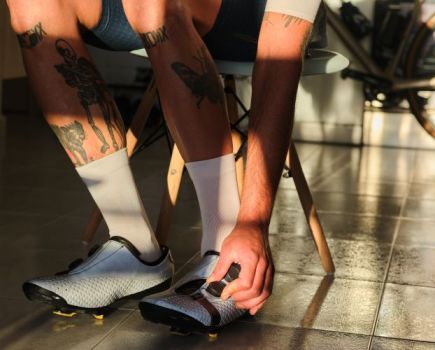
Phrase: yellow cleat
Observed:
(64, 314)
(98, 317)
(212, 336)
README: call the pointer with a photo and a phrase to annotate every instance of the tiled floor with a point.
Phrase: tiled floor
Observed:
(377, 206)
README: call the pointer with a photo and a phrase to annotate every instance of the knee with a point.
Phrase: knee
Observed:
(26, 14)
(148, 15)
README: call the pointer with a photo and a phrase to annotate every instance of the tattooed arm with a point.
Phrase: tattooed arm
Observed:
(275, 80)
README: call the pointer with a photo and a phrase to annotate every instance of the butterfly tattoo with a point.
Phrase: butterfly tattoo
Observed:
(203, 84)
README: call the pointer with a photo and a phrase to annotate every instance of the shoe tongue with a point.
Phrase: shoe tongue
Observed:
(127, 244)
(133, 250)
(211, 252)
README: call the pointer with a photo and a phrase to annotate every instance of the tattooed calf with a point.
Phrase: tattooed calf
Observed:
(71, 136)
(204, 84)
(151, 39)
(81, 74)
(32, 37)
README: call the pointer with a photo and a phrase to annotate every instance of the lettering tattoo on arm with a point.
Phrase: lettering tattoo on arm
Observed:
(31, 37)
(204, 84)
(71, 136)
(155, 37)
(81, 74)
(288, 19)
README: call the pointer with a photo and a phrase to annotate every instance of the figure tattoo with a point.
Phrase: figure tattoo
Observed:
(31, 37)
(81, 74)
(203, 84)
(152, 39)
(288, 19)
(71, 136)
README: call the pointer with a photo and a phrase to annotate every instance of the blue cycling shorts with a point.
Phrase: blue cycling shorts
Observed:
(233, 36)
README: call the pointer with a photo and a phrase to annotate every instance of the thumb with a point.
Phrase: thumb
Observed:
(221, 269)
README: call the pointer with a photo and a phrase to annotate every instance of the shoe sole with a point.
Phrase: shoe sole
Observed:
(179, 322)
(34, 292)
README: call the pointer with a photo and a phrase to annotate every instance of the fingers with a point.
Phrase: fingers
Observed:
(245, 279)
(257, 286)
(255, 304)
(255, 309)
(222, 267)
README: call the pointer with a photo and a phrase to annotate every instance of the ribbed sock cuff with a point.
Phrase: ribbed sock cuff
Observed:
(105, 165)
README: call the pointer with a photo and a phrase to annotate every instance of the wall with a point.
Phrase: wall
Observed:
(329, 108)
(11, 64)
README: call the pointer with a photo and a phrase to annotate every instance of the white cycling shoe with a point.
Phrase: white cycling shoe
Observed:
(111, 273)
(192, 305)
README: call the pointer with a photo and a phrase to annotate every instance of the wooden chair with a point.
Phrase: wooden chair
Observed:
(318, 62)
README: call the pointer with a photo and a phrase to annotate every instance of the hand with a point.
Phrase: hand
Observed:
(246, 245)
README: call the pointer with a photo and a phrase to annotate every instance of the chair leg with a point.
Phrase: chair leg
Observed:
(133, 133)
(237, 139)
(173, 180)
(141, 116)
(309, 209)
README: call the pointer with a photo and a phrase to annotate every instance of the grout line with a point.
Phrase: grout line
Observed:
(390, 257)
(110, 331)
(408, 339)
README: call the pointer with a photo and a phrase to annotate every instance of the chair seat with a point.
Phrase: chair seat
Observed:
(320, 61)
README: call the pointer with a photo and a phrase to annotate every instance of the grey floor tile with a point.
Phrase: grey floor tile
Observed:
(422, 190)
(14, 225)
(385, 164)
(17, 265)
(400, 344)
(343, 203)
(424, 167)
(26, 326)
(346, 183)
(41, 201)
(139, 334)
(65, 177)
(413, 265)
(356, 260)
(358, 191)
(184, 243)
(407, 312)
(416, 232)
(419, 208)
(336, 225)
(312, 302)
(64, 234)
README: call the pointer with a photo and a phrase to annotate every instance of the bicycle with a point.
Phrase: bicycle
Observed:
(416, 84)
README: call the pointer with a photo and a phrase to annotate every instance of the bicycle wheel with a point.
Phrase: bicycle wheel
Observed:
(420, 63)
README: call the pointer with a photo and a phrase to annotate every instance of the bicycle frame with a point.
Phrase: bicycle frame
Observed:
(367, 61)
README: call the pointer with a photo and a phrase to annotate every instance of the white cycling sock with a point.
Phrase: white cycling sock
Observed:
(216, 188)
(111, 184)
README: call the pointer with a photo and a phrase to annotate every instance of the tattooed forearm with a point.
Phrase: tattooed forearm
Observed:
(81, 74)
(206, 83)
(288, 19)
(32, 37)
(152, 39)
(71, 136)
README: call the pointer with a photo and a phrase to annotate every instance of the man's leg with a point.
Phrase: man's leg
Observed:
(193, 103)
(80, 110)
(194, 106)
